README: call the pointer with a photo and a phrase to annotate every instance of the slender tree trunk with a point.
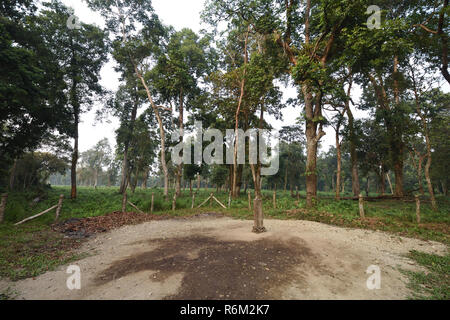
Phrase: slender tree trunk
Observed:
(125, 164)
(353, 154)
(161, 133)
(236, 126)
(285, 178)
(338, 170)
(382, 181)
(179, 172)
(95, 177)
(12, 175)
(428, 179)
(73, 168)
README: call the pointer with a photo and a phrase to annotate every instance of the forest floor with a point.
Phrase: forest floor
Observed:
(208, 256)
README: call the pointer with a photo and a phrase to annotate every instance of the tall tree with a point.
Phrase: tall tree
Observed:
(81, 52)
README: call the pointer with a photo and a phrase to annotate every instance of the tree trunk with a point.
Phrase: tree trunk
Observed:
(312, 139)
(382, 181)
(161, 133)
(428, 179)
(12, 175)
(353, 154)
(73, 169)
(125, 164)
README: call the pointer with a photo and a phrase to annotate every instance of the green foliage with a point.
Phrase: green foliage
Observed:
(434, 284)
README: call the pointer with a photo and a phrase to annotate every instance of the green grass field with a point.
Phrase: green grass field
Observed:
(32, 248)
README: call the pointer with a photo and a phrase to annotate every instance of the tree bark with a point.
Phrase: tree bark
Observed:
(179, 171)
(236, 126)
(12, 175)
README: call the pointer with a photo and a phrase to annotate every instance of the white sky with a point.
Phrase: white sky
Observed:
(180, 14)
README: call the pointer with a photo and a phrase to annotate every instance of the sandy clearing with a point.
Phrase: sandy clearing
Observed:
(183, 259)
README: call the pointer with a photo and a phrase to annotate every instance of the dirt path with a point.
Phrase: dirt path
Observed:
(219, 258)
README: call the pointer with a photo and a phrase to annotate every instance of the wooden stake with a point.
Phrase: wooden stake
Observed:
(124, 202)
(249, 201)
(139, 210)
(58, 209)
(417, 208)
(36, 215)
(174, 202)
(193, 200)
(274, 199)
(205, 201)
(153, 200)
(3, 206)
(361, 206)
(390, 184)
(221, 204)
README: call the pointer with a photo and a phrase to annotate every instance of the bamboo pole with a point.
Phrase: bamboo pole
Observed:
(390, 183)
(3, 206)
(205, 201)
(58, 209)
(135, 207)
(417, 208)
(274, 199)
(193, 200)
(36, 215)
(151, 205)
(361, 206)
(223, 206)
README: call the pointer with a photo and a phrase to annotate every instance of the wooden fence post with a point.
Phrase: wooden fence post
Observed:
(193, 200)
(58, 209)
(124, 202)
(211, 199)
(249, 201)
(274, 199)
(174, 202)
(417, 208)
(361, 206)
(3, 206)
(151, 205)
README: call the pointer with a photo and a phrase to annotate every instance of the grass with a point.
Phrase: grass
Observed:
(32, 248)
(434, 283)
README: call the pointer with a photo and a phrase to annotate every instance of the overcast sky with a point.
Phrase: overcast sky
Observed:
(180, 14)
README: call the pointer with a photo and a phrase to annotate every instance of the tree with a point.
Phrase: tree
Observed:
(32, 100)
(96, 158)
(182, 64)
(81, 53)
(134, 49)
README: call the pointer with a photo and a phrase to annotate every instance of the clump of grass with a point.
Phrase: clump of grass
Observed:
(434, 284)
(32, 249)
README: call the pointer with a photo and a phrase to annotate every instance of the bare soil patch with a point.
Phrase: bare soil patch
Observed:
(216, 269)
(220, 258)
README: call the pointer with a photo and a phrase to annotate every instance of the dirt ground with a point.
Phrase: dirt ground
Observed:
(219, 258)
